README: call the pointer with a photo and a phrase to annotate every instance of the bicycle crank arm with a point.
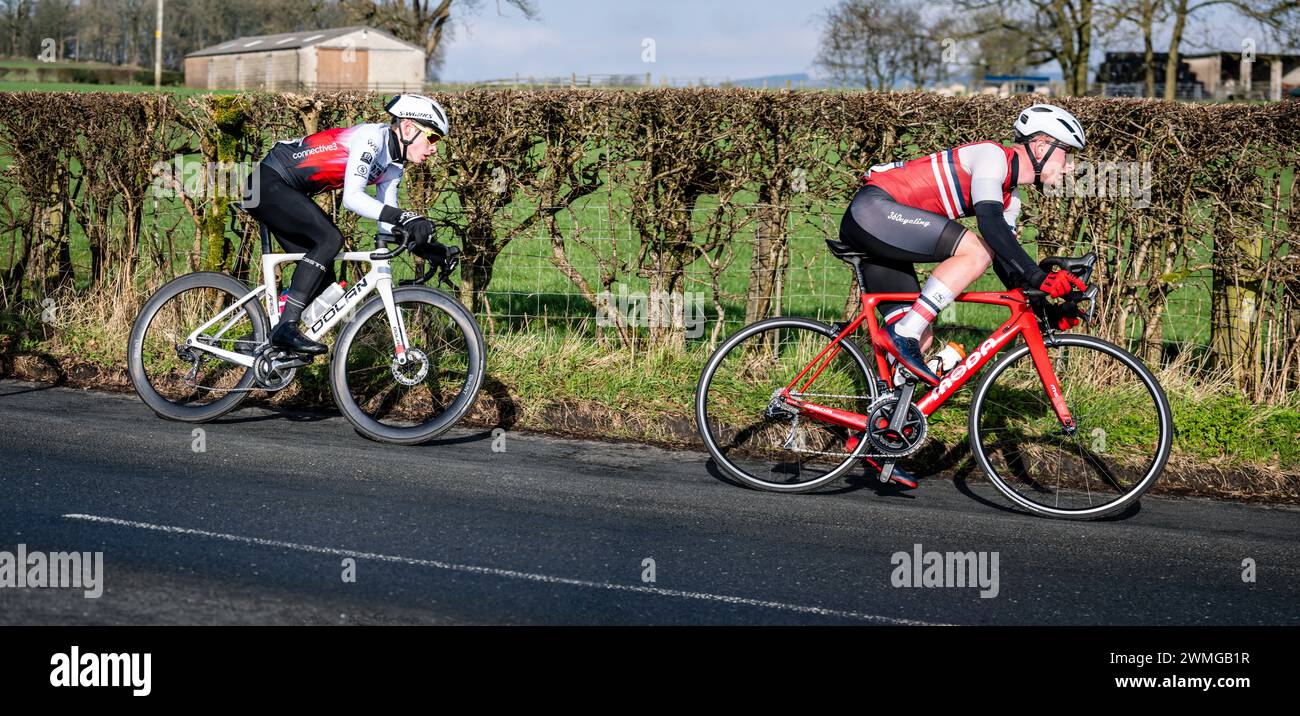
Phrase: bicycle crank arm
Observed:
(292, 362)
(900, 414)
(887, 469)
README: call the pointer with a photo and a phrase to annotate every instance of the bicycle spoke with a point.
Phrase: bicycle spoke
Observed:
(436, 362)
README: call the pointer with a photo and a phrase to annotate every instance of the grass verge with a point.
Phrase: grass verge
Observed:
(564, 382)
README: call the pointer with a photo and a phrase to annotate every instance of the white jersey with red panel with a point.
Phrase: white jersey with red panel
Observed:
(347, 158)
(952, 181)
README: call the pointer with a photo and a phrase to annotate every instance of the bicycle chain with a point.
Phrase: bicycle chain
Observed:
(795, 424)
(189, 377)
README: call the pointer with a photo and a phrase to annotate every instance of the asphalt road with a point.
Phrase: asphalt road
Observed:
(258, 526)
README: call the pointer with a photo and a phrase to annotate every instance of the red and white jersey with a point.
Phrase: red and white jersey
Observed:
(347, 158)
(952, 181)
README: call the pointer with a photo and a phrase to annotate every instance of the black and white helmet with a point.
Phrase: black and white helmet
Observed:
(421, 109)
(1052, 121)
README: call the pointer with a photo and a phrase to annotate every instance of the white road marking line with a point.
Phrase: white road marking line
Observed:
(507, 573)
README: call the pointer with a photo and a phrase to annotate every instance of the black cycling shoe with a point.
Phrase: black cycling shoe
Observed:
(899, 475)
(908, 352)
(288, 336)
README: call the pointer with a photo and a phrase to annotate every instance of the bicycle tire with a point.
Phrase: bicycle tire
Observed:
(135, 359)
(1015, 459)
(711, 435)
(423, 431)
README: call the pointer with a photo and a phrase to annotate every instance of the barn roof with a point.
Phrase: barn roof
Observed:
(286, 41)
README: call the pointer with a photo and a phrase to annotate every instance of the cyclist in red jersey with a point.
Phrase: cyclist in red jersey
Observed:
(348, 158)
(906, 214)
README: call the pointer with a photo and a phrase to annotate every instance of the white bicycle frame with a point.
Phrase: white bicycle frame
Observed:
(379, 277)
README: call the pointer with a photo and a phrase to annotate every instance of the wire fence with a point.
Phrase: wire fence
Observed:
(532, 284)
(528, 287)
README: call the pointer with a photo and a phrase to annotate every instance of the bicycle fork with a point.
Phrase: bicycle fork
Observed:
(401, 342)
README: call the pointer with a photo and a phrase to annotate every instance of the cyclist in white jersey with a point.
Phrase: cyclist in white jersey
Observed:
(347, 158)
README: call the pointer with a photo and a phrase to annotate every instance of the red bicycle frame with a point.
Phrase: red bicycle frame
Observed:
(1022, 321)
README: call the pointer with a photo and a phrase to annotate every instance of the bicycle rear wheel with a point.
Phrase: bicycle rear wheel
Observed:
(757, 439)
(181, 382)
(416, 401)
(1123, 436)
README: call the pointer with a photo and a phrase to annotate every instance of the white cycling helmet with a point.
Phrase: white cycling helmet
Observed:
(1052, 121)
(421, 109)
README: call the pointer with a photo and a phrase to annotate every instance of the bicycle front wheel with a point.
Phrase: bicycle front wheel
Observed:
(413, 401)
(1123, 436)
(756, 438)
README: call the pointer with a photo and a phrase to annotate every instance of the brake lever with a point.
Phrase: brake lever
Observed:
(1090, 296)
(449, 266)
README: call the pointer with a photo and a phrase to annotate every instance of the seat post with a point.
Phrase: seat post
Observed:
(266, 238)
(857, 273)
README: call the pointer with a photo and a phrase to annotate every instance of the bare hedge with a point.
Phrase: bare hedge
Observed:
(692, 170)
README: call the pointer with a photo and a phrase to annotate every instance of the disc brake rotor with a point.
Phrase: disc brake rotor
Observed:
(414, 370)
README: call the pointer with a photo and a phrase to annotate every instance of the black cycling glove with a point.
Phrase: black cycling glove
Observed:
(418, 228)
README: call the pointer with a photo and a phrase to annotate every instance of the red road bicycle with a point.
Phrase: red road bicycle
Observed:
(1064, 425)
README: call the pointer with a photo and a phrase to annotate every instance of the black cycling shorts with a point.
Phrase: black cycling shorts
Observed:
(894, 237)
(297, 222)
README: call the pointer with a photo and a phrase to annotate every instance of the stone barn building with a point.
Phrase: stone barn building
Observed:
(345, 58)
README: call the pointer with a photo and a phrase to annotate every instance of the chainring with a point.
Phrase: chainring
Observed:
(889, 443)
(265, 372)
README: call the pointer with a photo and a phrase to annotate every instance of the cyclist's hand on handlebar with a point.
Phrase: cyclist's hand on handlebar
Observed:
(445, 257)
(1058, 283)
(418, 228)
(1063, 316)
(432, 251)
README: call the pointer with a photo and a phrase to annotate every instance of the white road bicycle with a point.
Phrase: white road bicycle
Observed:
(406, 366)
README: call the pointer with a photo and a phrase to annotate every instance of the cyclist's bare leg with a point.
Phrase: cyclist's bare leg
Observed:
(971, 259)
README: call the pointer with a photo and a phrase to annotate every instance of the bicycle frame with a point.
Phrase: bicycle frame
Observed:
(1022, 321)
(380, 277)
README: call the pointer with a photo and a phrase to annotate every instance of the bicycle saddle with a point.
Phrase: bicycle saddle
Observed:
(843, 251)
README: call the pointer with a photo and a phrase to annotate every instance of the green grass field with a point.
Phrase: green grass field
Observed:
(527, 288)
(32, 86)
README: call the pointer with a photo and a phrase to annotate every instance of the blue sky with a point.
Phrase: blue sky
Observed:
(718, 39)
(692, 39)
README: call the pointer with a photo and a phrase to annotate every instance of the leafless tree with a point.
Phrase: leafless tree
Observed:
(1146, 16)
(424, 22)
(1051, 30)
(874, 43)
(1277, 18)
